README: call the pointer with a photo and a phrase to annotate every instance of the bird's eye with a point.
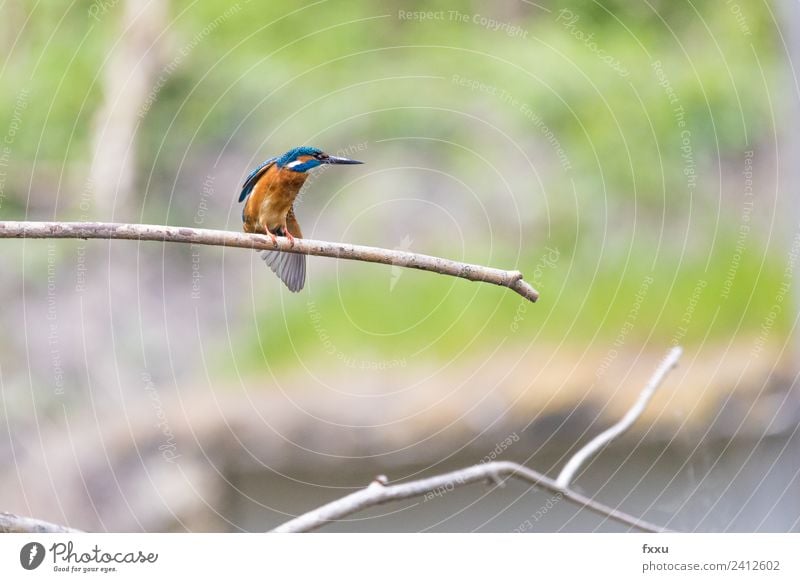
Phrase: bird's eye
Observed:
(320, 156)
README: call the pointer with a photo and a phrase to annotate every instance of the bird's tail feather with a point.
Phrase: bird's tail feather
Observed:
(289, 267)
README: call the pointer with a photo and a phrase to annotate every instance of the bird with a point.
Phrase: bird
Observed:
(268, 194)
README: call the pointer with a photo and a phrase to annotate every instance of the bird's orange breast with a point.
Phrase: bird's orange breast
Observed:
(272, 198)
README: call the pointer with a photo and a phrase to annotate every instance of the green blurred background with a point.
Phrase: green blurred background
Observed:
(629, 159)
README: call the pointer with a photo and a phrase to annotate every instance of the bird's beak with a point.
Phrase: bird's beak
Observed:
(337, 160)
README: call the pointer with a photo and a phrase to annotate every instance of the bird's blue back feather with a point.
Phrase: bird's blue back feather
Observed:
(251, 180)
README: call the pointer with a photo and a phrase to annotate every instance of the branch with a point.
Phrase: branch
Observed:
(200, 236)
(605, 437)
(378, 493)
(10, 523)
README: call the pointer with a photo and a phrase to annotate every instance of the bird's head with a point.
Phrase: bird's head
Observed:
(306, 158)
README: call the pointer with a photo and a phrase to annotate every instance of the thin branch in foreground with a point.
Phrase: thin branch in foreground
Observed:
(10, 523)
(605, 437)
(378, 493)
(201, 236)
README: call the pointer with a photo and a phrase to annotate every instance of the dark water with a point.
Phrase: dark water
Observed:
(742, 486)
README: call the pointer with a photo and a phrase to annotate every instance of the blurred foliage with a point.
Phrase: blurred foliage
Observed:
(270, 75)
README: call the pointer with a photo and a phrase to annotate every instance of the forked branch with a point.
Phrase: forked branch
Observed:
(378, 492)
(201, 236)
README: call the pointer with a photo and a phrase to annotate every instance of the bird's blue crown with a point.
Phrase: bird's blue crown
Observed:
(294, 153)
(290, 161)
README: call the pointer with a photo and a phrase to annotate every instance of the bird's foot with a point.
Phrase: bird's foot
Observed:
(272, 236)
(285, 232)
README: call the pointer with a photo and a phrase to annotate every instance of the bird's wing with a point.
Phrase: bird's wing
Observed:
(289, 267)
(253, 178)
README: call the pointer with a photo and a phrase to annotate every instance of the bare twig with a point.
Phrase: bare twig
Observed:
(199, 236)
(378, 493)
(579, 458)
(10, 523)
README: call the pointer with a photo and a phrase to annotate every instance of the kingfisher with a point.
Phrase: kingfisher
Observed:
(268, 194)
